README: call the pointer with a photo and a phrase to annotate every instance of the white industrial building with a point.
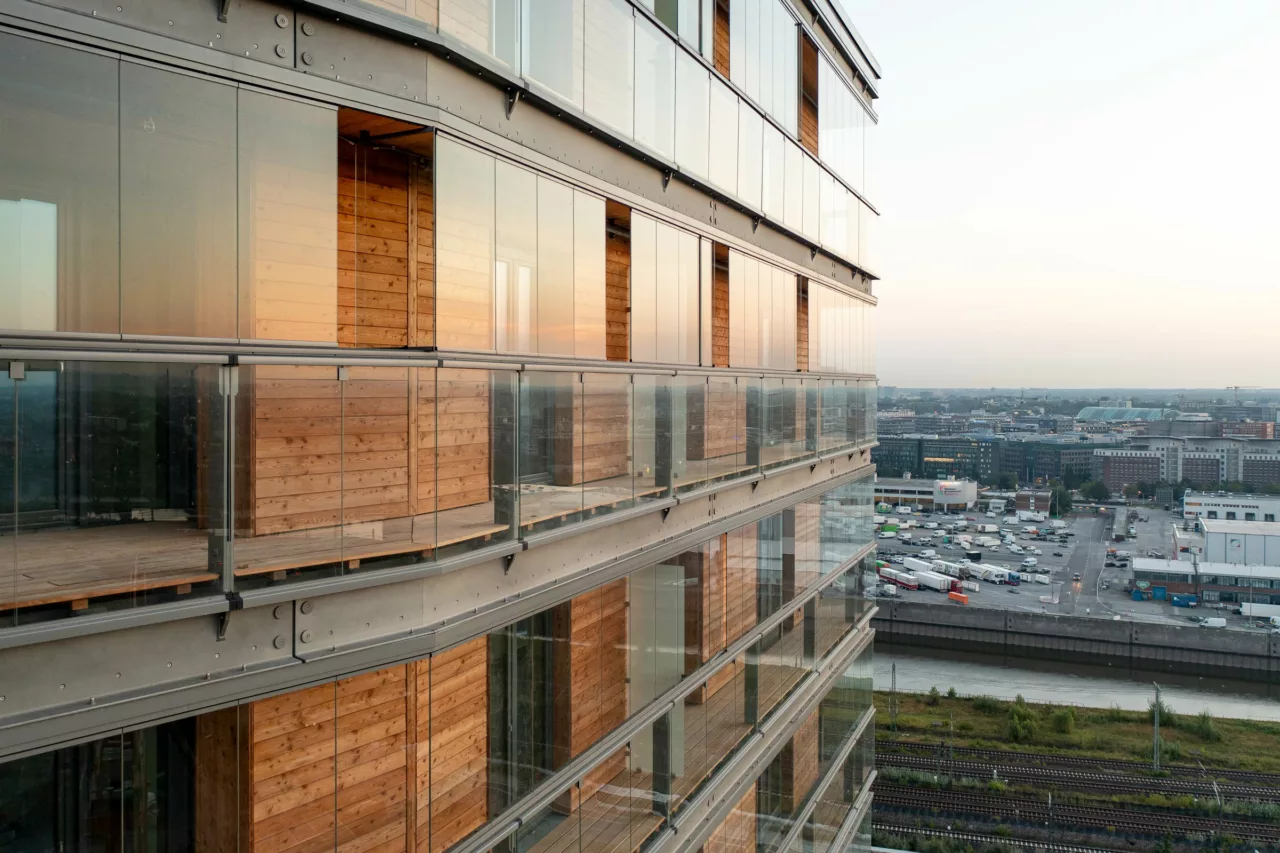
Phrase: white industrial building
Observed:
(1231, 507)
(1253, 543)
(927, 494)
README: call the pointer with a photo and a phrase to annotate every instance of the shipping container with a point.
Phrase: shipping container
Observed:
(1260, 609)
(958, 597)
(933, 581)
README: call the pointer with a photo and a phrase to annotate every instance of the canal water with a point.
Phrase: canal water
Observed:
(974, 674)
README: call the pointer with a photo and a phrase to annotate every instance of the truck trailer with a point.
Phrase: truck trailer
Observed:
(934, 581)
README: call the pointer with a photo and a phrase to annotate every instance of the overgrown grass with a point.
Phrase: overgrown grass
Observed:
(988, 723)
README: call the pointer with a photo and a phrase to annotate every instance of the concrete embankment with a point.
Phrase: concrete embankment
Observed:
(1139, 645)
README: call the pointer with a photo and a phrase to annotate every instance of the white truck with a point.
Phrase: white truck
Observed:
(1260, 610)
(1044, 579)
(915, 565)
(988, 528)
(933, 581)
(1058, 524)
(987, 541)
(992, 574)
(947, 568)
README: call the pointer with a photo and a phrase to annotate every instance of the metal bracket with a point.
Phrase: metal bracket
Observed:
(513, 98)
(223, 8)
(754, 484)
(755, 223)
(666, 179)
(812, 467)
(506, 563)
(666, 510)
(235, 603)
(813, 252)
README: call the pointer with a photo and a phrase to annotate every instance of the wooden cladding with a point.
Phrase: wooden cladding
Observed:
(808, 95)
(800, 764)
(392, 760)
(721, 38)
(738, 830)
(617, 281)
(802, 325)
(720, 306)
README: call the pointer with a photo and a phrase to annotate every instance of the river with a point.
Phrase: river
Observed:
(974, 674)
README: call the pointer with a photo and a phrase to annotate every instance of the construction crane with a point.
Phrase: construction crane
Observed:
(1237, 389)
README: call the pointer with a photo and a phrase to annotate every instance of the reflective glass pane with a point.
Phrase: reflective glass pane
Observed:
(464, 206)
(610, 483)
(288, 184)
(550, 452)
(737, 309)
(120, 464)
(655, 88)
(469, 21)
(588, 276)
(610, 37)
(723, 150)
(750, 144)
(793, 187)
(555, 267)
(60, 174)
(772, 200)
(687, 313)
(557, 826)
(668, 293)
(644, 283)
(553, 45)
(688, 427)
(178, 204)
(516, 268)
(812, 200)
(694, 108)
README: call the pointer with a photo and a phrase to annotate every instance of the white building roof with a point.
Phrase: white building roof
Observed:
(1236, 570)
(1241, 528)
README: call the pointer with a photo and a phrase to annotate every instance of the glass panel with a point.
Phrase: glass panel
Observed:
(657, 426)
(773, 182)
(786, 70)
(464, 203)
(793, 187)
(749, 154)
(694, 108)
(588, 276)
(836, 610)
(471, 464)
(867, 222)
(723, 167)
(516, 269)
(469, 21)
(750, 46)
(178, 204)
(606, 453)
(655, 89)
(704, 302)
(553, 45)
(288, 185)
(644, 306)
(784, 414)
(668, 294)
(737, 310)
(610, 36)
(506, 32)
(550, 454)
(826, 208)
(750, 309)
(557, 826)
(60, 175)
(812, 202)
(687, 314)
(119, 463)
(688, 432)
(636, 798)
(555, 267)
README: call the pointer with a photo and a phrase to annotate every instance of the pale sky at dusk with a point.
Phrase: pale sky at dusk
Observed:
(1079, 194)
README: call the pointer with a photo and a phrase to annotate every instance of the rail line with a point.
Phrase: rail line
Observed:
(1268, 779)
(1038, 811)
(983, 839)
(1077, 779)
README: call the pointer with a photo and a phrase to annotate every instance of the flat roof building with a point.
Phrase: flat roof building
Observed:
(1241, 542)
(423, 423)
(1212, 581)
(926, 494)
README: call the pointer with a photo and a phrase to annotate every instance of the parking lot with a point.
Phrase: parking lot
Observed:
(1100, 592)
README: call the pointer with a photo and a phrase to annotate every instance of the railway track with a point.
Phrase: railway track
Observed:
(979, 838)
(1078, 779)
(888, 795)
(1001, 756)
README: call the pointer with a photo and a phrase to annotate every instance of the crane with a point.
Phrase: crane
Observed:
(1237, 389)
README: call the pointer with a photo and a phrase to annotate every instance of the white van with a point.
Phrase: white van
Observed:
(1029, 563)
(929, 554)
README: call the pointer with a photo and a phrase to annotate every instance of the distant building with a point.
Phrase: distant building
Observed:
(1120, 467)
(926, 494)
(1122, 414)
(1249, 429)
(975, 457)
(1230, 506)
(1204, 461)
(1211, 581)
(1253, 543)
(1033, 500)
(1246, 412)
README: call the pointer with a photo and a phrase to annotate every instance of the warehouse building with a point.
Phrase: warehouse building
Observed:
(1212, 582)
(927, 494)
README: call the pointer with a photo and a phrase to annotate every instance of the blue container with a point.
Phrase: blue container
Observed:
(1137, 595)
(1158, 593)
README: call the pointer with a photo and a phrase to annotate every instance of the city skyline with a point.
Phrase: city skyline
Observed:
(1002, 156)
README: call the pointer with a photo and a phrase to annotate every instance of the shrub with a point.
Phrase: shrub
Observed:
(1202, 726)
(996, 786)
(964, 726)
(1114, 715)
(986, 705)
(1167, 717)
(1171, 750)
(1023, 722)
(933, 698)
(1063, 720)
(951, 692)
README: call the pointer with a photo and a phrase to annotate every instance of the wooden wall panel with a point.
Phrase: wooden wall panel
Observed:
(802, 325)
(453, 439)
(720, 44)
(720, 307)
(373, 247)
(740, 581)
(372, 751)
(618, 282)
(424, 285)
(808, 125)
(293, 771)
(222, 782)
(800, 764)
(459, 743)
(738, 831)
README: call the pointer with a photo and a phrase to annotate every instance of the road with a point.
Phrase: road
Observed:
(1086, 560)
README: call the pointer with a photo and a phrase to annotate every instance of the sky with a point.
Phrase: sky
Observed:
(1081, 194)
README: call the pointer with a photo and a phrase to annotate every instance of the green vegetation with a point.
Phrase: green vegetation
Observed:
(933, 844)
(1021, 726)
(1095, 490)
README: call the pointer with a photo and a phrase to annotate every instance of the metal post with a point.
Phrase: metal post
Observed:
(1155, 733)
(893, 698)
(662, 765)
(751, 686)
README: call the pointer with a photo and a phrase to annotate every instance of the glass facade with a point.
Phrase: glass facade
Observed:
(763, 55)
(478, 726)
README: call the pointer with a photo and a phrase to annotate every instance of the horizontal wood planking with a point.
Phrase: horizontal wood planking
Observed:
(741, 581)
(423, 275)
(453, 439)
(221, 780)
(720, 307)
(800, 764)
(293, 781)
(802, 325)
(459, 744)
(738, 830)
(618, 294)
(808, 120)
(374, 191)
(720, 45)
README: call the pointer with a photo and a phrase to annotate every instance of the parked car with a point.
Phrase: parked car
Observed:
(1057, 553)
(1109, 564)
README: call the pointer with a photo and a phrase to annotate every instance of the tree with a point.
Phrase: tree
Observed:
(1008, 481)
(1060, 501)
(1096, 490)
(1072, 477)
